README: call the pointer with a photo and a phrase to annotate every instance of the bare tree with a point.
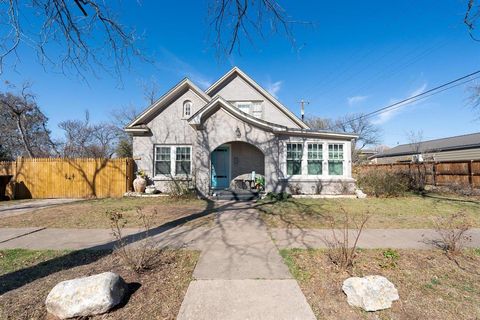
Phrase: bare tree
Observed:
(415, 139)
(419, 176)
(87, 33)
(24, 127)
(319, 123)
(231, 20)
(472, 15)
(369, 133)
(86, 140)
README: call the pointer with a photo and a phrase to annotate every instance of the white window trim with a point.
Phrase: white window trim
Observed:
(305, 176)
(184, 106)
(173, 160)
(250, 109)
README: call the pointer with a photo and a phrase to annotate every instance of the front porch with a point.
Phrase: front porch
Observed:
(237, 169)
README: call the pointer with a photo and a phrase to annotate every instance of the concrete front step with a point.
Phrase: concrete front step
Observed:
(238, 195)
(245, 299)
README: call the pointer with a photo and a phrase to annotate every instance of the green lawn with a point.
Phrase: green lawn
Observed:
(412, 211)
(16, 259)
(93, 213)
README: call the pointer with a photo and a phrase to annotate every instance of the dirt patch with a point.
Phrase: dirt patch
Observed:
(92, 213)
(430, 285)
(403, 212)
(156, 294)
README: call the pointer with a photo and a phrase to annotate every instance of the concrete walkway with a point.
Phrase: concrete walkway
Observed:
(240, 274)
(14, 208)
(369, 239)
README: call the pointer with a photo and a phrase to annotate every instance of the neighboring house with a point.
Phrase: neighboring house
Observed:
(209, 138)
(458, 148)
(364, 154)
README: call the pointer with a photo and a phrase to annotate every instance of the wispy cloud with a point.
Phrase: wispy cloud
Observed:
(173, 64)
(356, 99)
(388, 115)
(274, 87)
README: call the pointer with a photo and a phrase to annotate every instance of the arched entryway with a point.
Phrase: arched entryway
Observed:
(234, 160)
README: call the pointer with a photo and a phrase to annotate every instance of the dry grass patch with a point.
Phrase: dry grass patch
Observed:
(430, 285)
(93, 213)
(403, 212)
(156, 294)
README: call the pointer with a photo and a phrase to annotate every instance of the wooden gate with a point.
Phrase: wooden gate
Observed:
(68, 178)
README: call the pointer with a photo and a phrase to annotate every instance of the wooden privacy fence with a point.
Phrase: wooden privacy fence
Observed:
(68, 178)
(463, 173)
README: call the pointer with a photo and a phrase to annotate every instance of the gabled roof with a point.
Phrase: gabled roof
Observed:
(201, 115)
(466, 141)
(214, 88)
(164, 100)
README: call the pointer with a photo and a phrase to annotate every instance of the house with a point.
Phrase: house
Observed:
(364, 154)
(457, 148)
(211, 139)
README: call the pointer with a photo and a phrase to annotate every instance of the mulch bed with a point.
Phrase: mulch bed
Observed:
(155, 294)
(430, 285)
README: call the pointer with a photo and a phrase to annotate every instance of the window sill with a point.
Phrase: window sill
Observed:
(316, 178)
(170, 178)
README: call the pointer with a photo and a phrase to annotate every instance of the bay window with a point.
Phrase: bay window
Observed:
(172, 160)
(335, 159)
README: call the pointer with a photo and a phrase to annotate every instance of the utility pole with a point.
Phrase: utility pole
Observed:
(302, 107)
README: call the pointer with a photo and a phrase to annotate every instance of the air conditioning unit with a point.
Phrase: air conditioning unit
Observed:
(417, 158)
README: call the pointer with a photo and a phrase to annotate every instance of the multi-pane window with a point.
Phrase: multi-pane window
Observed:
(244, 106)
(252, 108)
(294, 158)
(187, 108)
(314, 159)
(183, 160)
(257, 110)
(335, 159)
(162, 161)
(173, 160)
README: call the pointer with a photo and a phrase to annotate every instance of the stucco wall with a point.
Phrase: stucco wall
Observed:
(169, 127)
(238, 90)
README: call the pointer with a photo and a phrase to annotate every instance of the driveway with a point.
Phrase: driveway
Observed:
(14, 208)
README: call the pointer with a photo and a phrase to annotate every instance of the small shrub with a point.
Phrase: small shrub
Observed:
(383, 183)
(281, 196)
(180, 188)
(390, 259)
(453, 232)
(340, 249)
(141, 256)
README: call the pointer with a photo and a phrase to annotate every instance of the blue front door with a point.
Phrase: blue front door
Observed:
(221, 168)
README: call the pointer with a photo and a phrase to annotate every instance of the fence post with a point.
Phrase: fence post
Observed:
(470, 174)
(434, 173)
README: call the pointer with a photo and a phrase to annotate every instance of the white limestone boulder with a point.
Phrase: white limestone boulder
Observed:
(371, 293)
(360, 194)
(86, 296)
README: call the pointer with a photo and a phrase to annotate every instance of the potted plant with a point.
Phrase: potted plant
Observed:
(140, 182)
(260, 183)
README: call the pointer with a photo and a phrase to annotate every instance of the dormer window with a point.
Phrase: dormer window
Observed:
(253, 108)
(187, 108)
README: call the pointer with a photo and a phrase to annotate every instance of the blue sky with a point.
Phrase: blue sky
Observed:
(357, 57)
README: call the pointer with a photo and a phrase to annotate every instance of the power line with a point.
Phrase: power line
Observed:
(420, 96)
